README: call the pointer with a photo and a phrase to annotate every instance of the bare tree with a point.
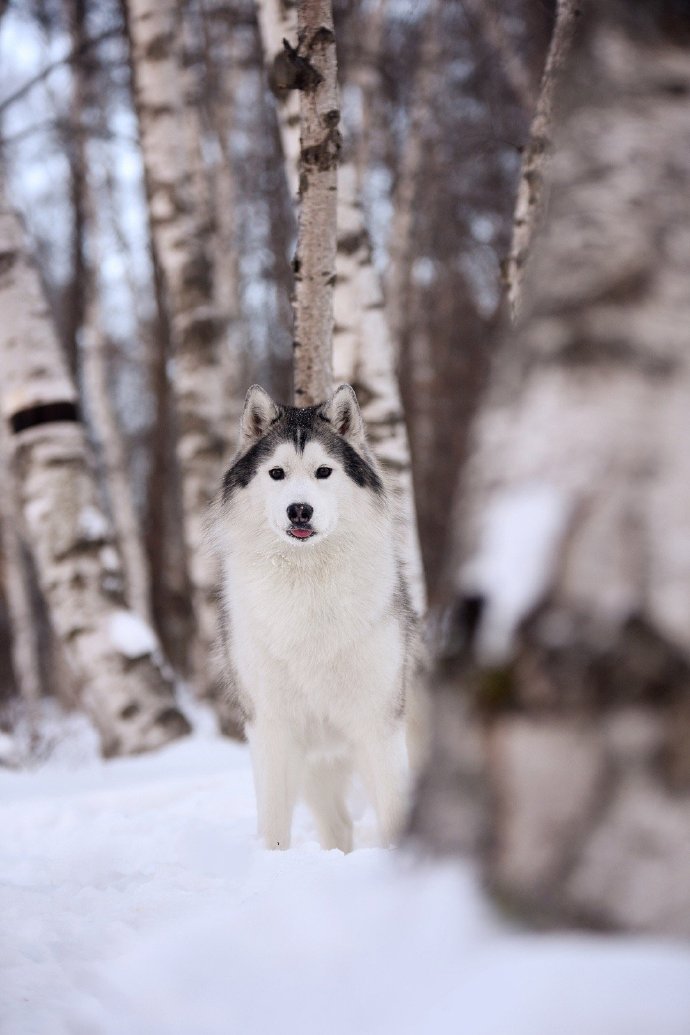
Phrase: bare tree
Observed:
(125, 686)
(529, 202)
(182, 238)
(570, 637)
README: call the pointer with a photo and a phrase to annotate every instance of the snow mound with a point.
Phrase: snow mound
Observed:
(131, 635)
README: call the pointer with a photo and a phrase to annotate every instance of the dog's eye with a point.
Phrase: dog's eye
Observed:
(277, 473)
(323, 472)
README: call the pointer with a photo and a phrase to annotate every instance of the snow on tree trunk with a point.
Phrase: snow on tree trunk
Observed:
(124, 684)
(574, 586)
(529, 202)
(314, 262)
(182, 238)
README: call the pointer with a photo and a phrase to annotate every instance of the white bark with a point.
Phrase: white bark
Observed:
(114, 655)
(180, 226)
(363, 356)
(574, 586)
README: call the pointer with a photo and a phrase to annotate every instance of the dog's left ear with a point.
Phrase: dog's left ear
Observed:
(343, 413)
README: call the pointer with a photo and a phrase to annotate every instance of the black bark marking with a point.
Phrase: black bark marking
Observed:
(44, 413)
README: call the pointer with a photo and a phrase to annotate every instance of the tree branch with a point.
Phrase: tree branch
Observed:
(68, 59)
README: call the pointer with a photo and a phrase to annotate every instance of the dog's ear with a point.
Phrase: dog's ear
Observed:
(343, 413)
(258, 414)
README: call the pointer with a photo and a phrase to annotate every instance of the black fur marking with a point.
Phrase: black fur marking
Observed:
(354, 464)
(244, 469)
(299, 425)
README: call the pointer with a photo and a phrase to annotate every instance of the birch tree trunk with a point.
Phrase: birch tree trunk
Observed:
(571, 637)
(529, 202)
(363, 353)
(182, 238)
(314, 263)
(125, 687)
(91, 358)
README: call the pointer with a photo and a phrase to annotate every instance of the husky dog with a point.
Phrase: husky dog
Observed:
(320, 635)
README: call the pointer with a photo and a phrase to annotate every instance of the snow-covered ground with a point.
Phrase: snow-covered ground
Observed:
(134, 900)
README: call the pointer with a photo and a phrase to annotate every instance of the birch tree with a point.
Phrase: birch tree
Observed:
(570, 635)
(314, 263)
(86, 341)
(124, 683)
(363, 352)
(182, 239)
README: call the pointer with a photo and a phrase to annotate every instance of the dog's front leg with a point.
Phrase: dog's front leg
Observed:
(275, 761)
(382, 762)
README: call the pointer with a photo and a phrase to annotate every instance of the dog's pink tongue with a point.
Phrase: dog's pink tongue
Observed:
(300, 533)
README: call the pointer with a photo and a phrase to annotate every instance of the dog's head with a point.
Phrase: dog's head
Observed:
(302, 474)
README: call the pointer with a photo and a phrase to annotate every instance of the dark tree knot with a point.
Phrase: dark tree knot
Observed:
(324, 155)
(291, 71)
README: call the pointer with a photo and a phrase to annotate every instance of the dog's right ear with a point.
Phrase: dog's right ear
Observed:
(258, 414)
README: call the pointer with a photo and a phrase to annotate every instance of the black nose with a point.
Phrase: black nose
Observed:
(300, 513)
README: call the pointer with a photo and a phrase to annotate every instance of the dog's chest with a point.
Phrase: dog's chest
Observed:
(293, 614)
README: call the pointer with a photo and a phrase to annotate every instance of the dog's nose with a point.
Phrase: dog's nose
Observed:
(299, 513)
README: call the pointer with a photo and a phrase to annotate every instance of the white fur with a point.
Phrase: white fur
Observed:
(319, 644)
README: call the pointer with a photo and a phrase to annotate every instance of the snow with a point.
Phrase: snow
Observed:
(93, 524)
(131, 635)
(521, 532)
(136, 901)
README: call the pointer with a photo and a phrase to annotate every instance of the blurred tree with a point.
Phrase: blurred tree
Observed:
(24, 642)
(562, 722)
(182, 235)
(125, 686)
